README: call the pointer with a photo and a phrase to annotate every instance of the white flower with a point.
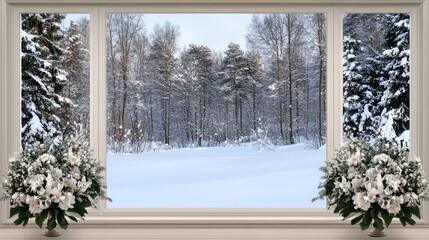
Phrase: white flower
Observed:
(372, 195)
(36, 182)
(15, 196)
(351, 173)
(54, 189)
(354, 160)
(66, 201)
(56, 173)
(70, 183)
(381, 158)
(410, 199)
(45, 204)
(344, 185)
(361, 201)
(72, 159)
(47, 158)
(392, 181)
(357, 183)
(385, 204)
(34, 204)
(76, 173)
(83, 185)
(394, 205)
(372, 173)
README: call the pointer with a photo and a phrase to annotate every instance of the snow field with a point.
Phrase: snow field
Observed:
(219, 177)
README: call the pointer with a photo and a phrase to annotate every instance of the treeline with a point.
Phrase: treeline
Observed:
(197, 96)
(274, 91)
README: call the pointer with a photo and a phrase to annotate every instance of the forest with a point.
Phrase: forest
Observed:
(198, 96)
(161, 95)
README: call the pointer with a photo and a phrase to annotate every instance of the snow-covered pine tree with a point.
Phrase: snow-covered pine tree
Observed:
(235, 83)
(395, 101)
(76, 63)
(42, 79)
(163, 63)
(201, 69)
(358, 93)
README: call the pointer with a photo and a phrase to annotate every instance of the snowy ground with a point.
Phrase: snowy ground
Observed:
(220, 177)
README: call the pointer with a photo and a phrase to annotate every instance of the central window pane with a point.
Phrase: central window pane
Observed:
(215, 110)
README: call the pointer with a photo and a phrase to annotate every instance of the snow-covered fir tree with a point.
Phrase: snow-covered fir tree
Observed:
(376, 98)
(42, 78)
(395, 101)
(201, 69)
(236, 83)
(358, 108)
(76, 63)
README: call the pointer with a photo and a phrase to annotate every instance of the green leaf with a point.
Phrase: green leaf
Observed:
(14, 211)
(415, 211)
(51, 223)
(406, 211)
(20, 219)
(79, 209)
(401, 219)
(72, 218)
(348, 210)
(387, 217)
(378, 224)
(410, 221)
(340, 205)
(366, 222)
(86, 204)
(41, 218)
(357, 219)
(26, 220)
(62, 221)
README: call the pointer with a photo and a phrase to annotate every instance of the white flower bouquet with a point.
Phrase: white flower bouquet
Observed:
(53, 182)
(374, 183)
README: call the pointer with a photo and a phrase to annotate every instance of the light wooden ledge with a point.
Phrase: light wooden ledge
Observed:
(349, 233)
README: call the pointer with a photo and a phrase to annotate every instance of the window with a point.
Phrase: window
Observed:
(10, 89)
(215, 113)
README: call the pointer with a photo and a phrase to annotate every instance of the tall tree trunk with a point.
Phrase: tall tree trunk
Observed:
(124, 101)
(297, 111)
(307, 105)
(236, 110)
(255, 117)
(289, 49)
(135, 123)
(152, 131)
(320, 39)
(200, 121)
(241, 115)
(167, 109)
(226, 120)
(113, 64)
(280, 97)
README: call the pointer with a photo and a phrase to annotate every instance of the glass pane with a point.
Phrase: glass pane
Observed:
(215, 110)
(376, 51)
(55, 77)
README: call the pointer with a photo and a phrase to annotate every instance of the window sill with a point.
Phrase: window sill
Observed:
(150, 232)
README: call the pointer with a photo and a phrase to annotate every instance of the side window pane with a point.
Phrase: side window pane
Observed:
(215, 110)
(55, 77)
(376, 51)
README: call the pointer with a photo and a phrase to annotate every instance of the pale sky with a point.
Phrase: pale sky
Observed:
(213, 30)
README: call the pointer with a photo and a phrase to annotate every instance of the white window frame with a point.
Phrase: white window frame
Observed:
(10, 95)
